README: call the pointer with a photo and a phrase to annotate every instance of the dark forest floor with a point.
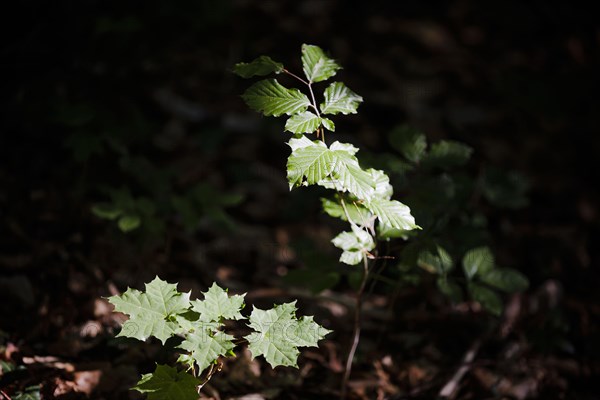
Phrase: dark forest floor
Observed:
(518, 83)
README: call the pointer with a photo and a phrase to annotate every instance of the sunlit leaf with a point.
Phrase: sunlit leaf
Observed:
(358, 213)
(392, 213)
(218, 305)
(309, 163)
(205, 347)
(316, 65)
(340, 99)
(305, 122)
(271, 98)
(355, 245)
(260, 66)
(278, 334)
(153, 312)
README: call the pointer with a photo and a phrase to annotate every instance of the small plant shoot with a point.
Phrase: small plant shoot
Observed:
(363, 197)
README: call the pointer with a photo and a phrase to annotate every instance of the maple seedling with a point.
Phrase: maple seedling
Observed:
(161, 311)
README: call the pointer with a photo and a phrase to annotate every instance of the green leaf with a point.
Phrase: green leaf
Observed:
(357, 212)
(346, 174)
(505, 279)
(446, 154)
(383, 189)
(260, 66)
(107, 211)
(271, 98)
(436, 260)
(340, 99)
(409, 142)
(488, 299)
(450, 289)
(386, 232)
(316, 65)
(355, 244)
(218, 305)
(392, 213)
(129, 222)
(205, 347)
(312, 161)
(305, 122)
(328, 124)
(278, 334)
(477, 261)
(167, 383)
(151, 313)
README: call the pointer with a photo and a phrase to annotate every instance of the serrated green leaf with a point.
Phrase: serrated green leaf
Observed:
(345, 148)
(357, 212)
(346, 174)
(107, 211)
(409, 142)
(313, 162)
(305, 122)
(446, 154)
(386, 232)
(450, 289)
(488, 299)
(505, 279)
(383, 189)
(436, 260)
(271, 98)
(218, 305)
(340, 99)
(129, 222)
(278, 334)
(153, 312)
(477, 261)
(392, 213)
(167, 383)
(355, 244)
(205, 347)
(334, 167)
(260, 66)
(299, 142)
(328, 124)
(316, 65)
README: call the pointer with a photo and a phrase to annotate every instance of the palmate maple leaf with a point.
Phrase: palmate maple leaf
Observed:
(153, 312)
(278, 334)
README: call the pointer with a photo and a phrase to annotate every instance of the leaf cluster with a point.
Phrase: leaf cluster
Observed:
(363, 197)
(445, 198)
(161, 311)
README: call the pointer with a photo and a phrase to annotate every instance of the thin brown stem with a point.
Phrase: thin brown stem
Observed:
(356, 332)
(285, 71)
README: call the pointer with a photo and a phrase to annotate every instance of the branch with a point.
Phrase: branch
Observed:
(356, 333)
(451, 387)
